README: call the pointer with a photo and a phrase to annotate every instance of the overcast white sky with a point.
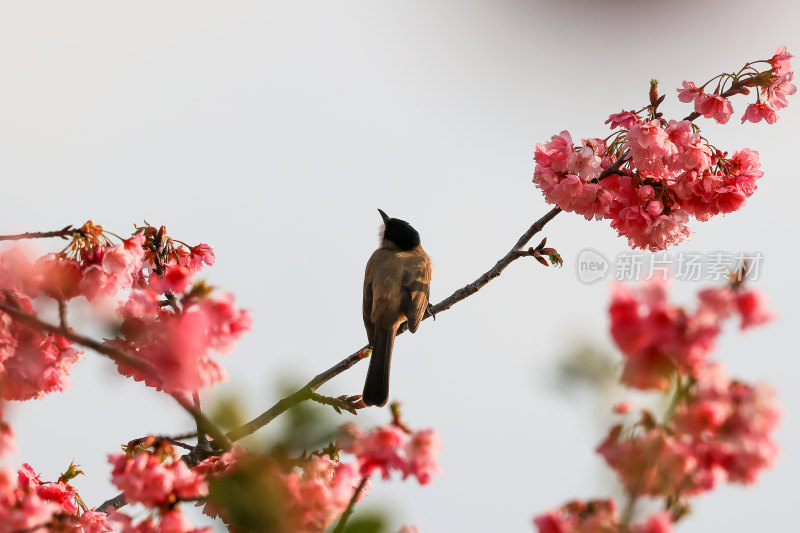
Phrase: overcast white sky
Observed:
(273, 131)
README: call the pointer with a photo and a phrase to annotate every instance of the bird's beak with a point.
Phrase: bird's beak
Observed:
(384, 216)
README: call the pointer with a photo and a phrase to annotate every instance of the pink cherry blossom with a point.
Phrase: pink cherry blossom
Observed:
(170, 522)
(585, 163)
(594, 516)
(146, 479)
(689, 92)
(21, 507)
(98, 283)
(95, 522)
(752, 308)
(180, 346)
(177, 278)
(714, 106)
(124, 260)
(657, 338)
(650, 146)
(59, 277)
(202, 253)
(381, 451)
(175, 522)
(696, 156)
(745, 165)
(659, 522)
(421, 453)
(567, 190)
(625, 120)
(32, 364)
(651, 460)
(680, 133)
(59, 494)
(779, 89)
(554, 153)
(758, 112)
(780, 61)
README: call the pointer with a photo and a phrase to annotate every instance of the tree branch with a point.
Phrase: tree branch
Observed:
(119, 357)
(464, 292)
(67, 231)
(305, 393)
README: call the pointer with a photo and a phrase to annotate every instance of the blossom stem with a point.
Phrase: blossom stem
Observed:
(350, 506)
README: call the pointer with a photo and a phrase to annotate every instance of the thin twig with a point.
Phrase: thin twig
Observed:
(351, 404)
(350, 506)
(112, 504)
(67, 231)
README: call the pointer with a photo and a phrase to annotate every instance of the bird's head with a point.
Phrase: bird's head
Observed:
(398, 233)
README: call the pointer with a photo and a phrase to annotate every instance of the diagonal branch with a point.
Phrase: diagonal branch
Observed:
(305, 393)
(464, 292)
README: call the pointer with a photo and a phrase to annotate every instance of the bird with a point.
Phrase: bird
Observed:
(396, 288)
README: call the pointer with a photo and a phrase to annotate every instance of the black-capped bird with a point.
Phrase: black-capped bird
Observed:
(396, 288)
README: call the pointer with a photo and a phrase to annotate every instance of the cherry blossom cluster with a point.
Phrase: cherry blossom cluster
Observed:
(715, 430)
(168, 320)
(32, 363)
(597, 516)
(658, 339)
(158, 480)
(391, 448)
(308, 494)
(167, 326)
(650, 175)
(28, 504)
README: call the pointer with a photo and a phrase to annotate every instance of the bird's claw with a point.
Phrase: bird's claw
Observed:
(430, 311)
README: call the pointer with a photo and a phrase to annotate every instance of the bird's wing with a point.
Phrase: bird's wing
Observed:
(366, 310)
(384, 275)
(417, 281)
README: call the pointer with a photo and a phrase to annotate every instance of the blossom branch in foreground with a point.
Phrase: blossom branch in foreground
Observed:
(119, 357)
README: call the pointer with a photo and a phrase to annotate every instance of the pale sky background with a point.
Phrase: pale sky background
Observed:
(273, 131)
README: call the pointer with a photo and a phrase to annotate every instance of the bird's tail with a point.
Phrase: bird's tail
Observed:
(376, 388)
